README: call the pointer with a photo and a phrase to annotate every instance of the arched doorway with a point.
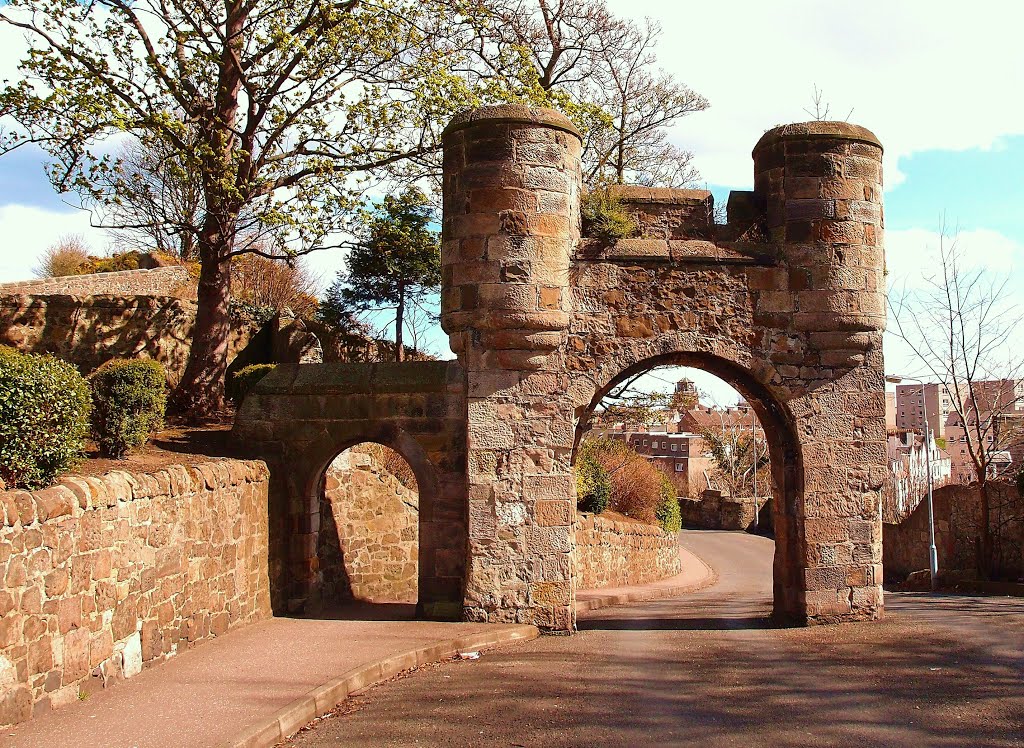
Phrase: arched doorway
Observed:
(368, 543)
(780, 435)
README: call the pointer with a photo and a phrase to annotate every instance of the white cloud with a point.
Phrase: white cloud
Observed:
(28, 231)
(912, 255)
(921, 75)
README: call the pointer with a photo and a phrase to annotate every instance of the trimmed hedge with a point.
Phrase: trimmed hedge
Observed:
(44, 418)
(129, 400)
(245, 379)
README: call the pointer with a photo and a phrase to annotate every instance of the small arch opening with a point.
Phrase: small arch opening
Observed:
(369, 537)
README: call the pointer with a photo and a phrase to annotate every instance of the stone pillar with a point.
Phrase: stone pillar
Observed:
(822, 187)
(512, 182)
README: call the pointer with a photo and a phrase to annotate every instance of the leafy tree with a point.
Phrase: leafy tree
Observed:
(396, 265)
(284, 108)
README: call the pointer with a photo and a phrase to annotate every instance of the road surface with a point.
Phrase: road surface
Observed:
(707, 669)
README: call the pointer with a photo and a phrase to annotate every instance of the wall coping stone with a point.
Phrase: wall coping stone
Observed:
(825, 130)
(75, 494)
(511, 114)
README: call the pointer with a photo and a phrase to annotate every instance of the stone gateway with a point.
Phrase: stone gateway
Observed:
(785, 302)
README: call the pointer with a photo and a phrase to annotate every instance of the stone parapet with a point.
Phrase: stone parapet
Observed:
(102, 576)
(174, 280)
(611, 553)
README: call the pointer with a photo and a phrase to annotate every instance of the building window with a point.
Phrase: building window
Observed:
(680, 466)
(675, 447)
(645, 442)
(654, 445)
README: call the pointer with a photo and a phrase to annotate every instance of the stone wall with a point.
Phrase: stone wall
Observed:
(102, 576)
(173, 280)
(713, 511)
(89, 330)
(905, 545)
(369, 533)
(610, 553)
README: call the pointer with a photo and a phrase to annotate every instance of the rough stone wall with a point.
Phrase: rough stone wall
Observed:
(611, 553)
(369, 533)
(957, 507)
(713, 511)
(663, 213)
(89, 330)
(301, 416)
(173, 280)
(104, 575)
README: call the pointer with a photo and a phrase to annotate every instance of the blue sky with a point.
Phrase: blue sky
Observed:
(937, 82)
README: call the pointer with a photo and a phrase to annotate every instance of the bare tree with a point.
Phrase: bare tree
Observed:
(601, 69)
(961, 326)
(822, 108)
(160, 203)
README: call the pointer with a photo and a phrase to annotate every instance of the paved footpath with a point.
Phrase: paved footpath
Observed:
(208, 696)
(706, 669)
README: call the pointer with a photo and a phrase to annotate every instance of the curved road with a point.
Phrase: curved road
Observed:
(706, 669)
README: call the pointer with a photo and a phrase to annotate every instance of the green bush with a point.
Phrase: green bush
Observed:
(129, 399)
(668, 514)
(593, 485)
(245, 379)
(605, 217)
(44, 418)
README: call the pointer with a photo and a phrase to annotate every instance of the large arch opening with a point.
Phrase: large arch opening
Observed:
(754, 421)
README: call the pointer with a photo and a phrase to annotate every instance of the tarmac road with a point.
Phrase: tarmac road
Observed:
(707, 669)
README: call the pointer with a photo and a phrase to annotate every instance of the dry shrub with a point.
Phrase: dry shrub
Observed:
(389, 461)
(69, 256)
(276, 284)
(637, 485)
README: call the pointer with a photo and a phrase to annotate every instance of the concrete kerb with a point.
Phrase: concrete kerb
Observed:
(324, 698)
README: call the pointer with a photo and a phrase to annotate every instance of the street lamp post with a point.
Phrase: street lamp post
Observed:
(933, 553)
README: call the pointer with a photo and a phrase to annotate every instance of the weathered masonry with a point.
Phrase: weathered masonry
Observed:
(786, 302)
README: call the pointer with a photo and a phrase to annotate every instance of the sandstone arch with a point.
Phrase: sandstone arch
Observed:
(784, 449)
(787, 299)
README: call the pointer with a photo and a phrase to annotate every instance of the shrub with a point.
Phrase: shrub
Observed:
(129, 399)
(69, 256)
(605, 217)
(245, 379)
(44, 418)
(636, 485)
(669, 516)
(115, 263)
(593, 486)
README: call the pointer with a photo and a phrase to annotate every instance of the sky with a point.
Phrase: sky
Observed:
(938, 82)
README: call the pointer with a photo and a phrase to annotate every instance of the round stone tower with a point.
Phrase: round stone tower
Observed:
(512, 181)
(822, 187)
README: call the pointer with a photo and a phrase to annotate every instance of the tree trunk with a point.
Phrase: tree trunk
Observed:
(200, 394)
(399, 324)
(985, 530)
